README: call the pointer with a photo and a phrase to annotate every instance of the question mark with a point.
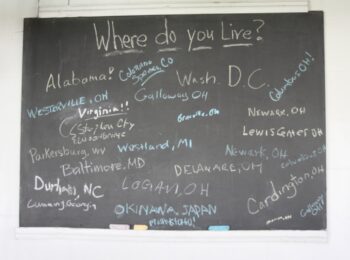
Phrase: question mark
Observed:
(259, 38)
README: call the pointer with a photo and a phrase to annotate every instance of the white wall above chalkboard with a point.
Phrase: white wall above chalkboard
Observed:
(69, 8)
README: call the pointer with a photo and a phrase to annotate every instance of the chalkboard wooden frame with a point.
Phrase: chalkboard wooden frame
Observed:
(172, 236)
(108, 231)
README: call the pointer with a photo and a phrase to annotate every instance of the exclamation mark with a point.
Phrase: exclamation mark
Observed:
(110, 71)
(307, 60)
(127, 105)
(310, 56)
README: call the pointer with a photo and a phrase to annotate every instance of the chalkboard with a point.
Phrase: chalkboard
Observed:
(178, 122)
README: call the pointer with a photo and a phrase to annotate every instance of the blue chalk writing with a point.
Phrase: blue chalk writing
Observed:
(198, 114)
(304, 157)
(259, 152)
(277, 93)
(256, 152)
(313, 208)
(61, 105)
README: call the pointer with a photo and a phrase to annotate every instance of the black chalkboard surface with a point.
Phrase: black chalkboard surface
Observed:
(177, 122)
